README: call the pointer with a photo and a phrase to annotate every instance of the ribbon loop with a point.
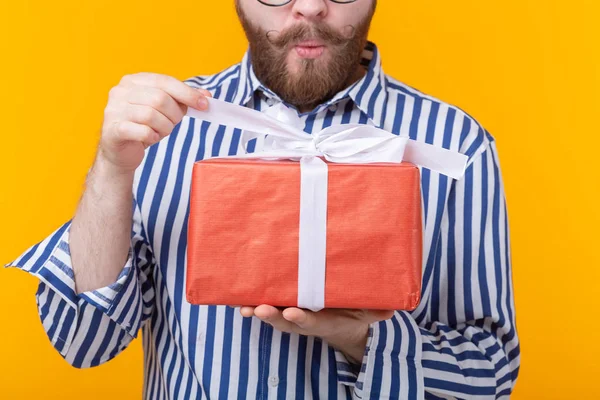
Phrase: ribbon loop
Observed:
(349, 143)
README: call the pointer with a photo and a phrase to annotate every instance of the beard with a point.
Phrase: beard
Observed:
(315, 80)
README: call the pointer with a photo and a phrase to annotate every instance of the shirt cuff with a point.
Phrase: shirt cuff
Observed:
(391, 366)
(50, 261)
(107, 297)
(347, 372)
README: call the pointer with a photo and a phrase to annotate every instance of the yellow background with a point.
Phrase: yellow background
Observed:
(527, 69)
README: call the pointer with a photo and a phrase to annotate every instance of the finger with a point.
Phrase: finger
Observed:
(274, 317)
(158, 100)
(128, 130)
(247, 311)
(147, 115)
(180, 91)
(305, 319)
(265, 312)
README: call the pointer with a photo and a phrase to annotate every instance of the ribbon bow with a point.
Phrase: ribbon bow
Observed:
(347, 143)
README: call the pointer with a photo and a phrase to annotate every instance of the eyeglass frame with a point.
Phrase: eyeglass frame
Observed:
(289, 1)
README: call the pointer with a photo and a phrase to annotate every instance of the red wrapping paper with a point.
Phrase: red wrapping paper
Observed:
(243, 234)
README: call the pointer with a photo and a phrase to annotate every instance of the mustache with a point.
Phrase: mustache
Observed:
(304, 32)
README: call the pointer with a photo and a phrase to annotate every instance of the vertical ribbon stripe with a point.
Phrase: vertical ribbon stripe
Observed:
(313, 233)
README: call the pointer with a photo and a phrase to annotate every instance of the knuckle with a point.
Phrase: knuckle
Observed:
(117, 93)
(145, 115)
(125, 79)
(154, 79)
(140, 78)
(159, 101)
(109, 111)
(146, 131)
(113, 92)
(119, 129)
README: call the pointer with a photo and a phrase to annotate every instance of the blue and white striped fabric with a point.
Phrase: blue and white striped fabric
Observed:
(460, 342)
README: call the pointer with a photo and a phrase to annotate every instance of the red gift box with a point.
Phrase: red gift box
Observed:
(243, 234)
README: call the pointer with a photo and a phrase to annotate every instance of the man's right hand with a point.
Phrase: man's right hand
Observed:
(142, 109)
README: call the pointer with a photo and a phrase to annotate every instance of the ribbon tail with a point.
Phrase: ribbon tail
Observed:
(443, 161)
(244, 118)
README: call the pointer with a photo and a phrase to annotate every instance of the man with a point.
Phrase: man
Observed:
(104, 277)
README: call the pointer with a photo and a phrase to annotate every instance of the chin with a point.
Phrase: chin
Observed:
(296, 64)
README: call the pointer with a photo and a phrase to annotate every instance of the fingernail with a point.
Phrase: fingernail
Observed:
(202, 102)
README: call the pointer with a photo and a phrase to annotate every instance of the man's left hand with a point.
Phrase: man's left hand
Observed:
(345, 329)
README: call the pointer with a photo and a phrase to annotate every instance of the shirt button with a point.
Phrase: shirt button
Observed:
(270, 101)
(274, 381)
(332, 107)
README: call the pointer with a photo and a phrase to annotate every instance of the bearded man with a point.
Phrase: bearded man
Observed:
(119, 265)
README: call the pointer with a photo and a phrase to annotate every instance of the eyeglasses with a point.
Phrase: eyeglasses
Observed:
(279, 3)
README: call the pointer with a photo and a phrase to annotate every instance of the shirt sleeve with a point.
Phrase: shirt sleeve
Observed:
(90, 328)
(461, 342)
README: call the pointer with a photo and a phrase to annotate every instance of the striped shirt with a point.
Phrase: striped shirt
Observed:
(461, 341)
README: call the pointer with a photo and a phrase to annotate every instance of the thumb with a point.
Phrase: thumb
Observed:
(200, 101)
(204, 92)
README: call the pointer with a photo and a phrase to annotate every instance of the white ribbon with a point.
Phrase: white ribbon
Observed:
(347, 143)
(313, 233)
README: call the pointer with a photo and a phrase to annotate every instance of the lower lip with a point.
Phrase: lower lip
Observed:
(310, 52)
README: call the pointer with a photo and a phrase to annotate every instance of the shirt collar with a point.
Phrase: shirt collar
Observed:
(369, 93)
